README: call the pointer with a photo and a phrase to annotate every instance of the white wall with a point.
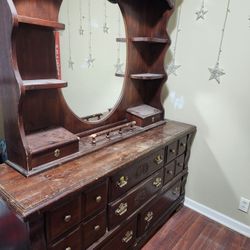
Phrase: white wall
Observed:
(219, 165)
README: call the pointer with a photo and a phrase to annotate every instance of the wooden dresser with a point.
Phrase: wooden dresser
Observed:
(117, 196)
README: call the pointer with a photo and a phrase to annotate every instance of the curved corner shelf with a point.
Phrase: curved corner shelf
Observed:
(41, 22)
(44, 84)
(147, 76)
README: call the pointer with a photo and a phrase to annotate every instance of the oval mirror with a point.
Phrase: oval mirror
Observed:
(92, 61)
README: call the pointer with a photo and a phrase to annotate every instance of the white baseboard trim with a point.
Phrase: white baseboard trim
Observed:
(218, 217)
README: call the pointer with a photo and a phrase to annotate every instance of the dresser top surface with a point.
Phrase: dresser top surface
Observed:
(28, 195)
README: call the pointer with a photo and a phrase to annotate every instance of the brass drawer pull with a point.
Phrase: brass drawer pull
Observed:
(149, 216)
(97, 228)
(123, 181)
(176, 191)
(67, 218)
(171, 172)
(158, 159)
(183, 144)
(57, 153)
(157, 182)
(68, 248)
(172, 151)
(98, 199)
(128, 236)
(122, 209)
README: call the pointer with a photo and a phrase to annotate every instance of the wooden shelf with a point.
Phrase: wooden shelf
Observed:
(41, 22)
(44, 84)
(147, 76)
(145, 40)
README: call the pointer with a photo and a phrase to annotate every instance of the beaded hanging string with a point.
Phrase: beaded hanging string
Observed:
(202, 12)
(105, 25)
(90, 60)
(172, 67)
(70, 61)
(216, 72)
(119, 64)
(81, 30)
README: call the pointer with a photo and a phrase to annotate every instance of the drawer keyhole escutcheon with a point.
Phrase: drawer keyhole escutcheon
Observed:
(97, 228)
(123, 181)
(68, 248)
(171, 172)
(172, 151)
(122, 209)
(128, 236)
(98, 199)
(57, 153)
(158, 159)
(183, 145)
(149, 216)
(176, 191)
(67, 218)
(157, 182)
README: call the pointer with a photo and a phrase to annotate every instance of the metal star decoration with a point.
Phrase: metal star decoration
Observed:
(81, 30)
(70, 63)
(105, 28)
(216, 73)
(172, 67)
(90, 61)
(201, 13)
(118, 66)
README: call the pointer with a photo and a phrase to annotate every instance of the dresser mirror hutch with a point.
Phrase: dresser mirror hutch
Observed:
(97, 180)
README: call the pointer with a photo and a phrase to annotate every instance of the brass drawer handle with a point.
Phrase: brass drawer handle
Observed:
(183, 144)
(176, 191)
(171, 172)
(123, 181)
(172, 151)
(149, 216)
(57, 153)
(98, 199)
(97, 228)
(67, 218)
(157, 182)
(68, 248)
(122, 209)
(128, 236)
(158, 159)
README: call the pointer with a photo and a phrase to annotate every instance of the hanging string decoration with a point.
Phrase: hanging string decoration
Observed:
(172, 67)
(105, 25)
(70, 61)
(119, 64)
(202, 12)
(81, 30)
(90, 60)
(216, 72)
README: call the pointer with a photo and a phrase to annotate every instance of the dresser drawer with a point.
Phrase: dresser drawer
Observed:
(172, 151)
(180, 163)
(63, 218)
(169, 172)
(95, 198)
(122, 208)
(133, 174)
(123, 239)
(71, 242)
(153, 212)
(94, 229)
(182, 144)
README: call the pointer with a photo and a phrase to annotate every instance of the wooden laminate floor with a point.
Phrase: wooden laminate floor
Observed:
(189, 230)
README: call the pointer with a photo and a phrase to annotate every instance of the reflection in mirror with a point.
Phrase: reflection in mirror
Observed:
(92, 61)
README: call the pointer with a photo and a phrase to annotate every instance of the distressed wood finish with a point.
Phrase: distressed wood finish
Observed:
(31, 94)
(69, 206)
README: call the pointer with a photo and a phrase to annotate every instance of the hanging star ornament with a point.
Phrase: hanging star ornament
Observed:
(70, 63)
(172, 67)
(201, 13)
(118, 66)
(81, 30)
(216, 73)
(105, 28)
(90, 61)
